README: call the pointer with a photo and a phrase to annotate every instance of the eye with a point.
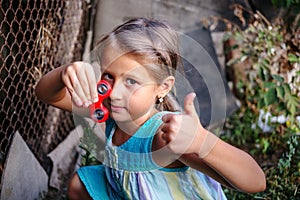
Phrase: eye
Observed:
(107, 77)
(130, 81)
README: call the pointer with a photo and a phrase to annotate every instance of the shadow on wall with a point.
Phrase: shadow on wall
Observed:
(207, 78)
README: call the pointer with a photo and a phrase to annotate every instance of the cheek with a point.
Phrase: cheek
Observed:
(142, 99)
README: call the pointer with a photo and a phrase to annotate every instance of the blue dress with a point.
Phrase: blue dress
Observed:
(129, 172)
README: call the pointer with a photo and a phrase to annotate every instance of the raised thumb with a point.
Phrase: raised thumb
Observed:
(189, 107)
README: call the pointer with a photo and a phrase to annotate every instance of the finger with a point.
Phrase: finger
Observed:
(67, 75)
(167, 137)
(83, 87)
(167, 118)
(74, 96)
(82, 69)
(169, 131)
(92, 84)
(165, 128)
(78, 92)
(189, 107)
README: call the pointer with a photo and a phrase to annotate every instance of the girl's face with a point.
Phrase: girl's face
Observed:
(134, 90)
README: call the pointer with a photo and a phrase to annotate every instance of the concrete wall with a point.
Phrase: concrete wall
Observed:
(181, 14)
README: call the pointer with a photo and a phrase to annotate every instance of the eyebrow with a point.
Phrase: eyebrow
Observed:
(136, 77)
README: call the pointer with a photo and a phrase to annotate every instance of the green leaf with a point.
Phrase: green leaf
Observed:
(292, 104)
(293, 109)
(269, 85)
(265, 63)
(287, 88)
(270, 97)
(265, 144)
(278, 78)
(260, 103)
(280, 92)
(293, 58)
(261, 73)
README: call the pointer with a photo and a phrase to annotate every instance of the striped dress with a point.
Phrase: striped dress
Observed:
(129, 172)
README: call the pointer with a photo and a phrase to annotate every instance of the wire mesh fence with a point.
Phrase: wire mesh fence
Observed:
(35, 37)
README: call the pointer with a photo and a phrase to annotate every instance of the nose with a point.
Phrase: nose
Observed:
(116, 92)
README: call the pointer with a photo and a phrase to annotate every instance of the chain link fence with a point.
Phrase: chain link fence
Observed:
(35, 37)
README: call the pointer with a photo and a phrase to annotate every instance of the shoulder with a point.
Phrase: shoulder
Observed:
(159, 115)
(158, 141)
(156, 120)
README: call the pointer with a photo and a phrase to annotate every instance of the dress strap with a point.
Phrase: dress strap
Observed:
(135, 153)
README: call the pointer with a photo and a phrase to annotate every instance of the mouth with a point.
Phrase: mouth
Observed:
(116, 108)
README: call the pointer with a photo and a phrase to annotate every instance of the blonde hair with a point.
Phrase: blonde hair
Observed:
(150, 41)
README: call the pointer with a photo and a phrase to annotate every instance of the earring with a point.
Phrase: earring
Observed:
(160, 99)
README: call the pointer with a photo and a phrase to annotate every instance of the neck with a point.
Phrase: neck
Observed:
(130, 127)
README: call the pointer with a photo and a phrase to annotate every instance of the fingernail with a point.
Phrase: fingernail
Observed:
(95, 99)
(78, 103)
(86, 104)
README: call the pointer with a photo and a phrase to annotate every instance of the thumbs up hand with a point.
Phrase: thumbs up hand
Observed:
(182, 132)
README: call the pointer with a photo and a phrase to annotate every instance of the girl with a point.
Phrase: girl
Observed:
(151, 151)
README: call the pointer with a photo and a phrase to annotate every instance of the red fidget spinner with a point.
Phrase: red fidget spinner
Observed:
(98, 111)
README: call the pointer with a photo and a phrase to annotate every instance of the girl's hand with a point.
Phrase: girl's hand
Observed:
(181, 131)
(79, 79)
(185, 137)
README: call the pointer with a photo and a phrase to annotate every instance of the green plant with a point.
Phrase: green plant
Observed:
(289, 11)
(90, 148)
(278, 155)
(90, 144)
(265, 68)
(270, 77)
(284, 179)
(285, 3)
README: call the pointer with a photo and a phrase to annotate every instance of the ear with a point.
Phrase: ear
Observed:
(166, 86)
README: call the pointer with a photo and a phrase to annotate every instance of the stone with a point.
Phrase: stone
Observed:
(64, 157)
(23, 177)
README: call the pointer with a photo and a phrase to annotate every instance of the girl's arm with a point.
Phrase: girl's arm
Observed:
(230, 166)
(202, 150)
(68, 85)
(193, 161)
